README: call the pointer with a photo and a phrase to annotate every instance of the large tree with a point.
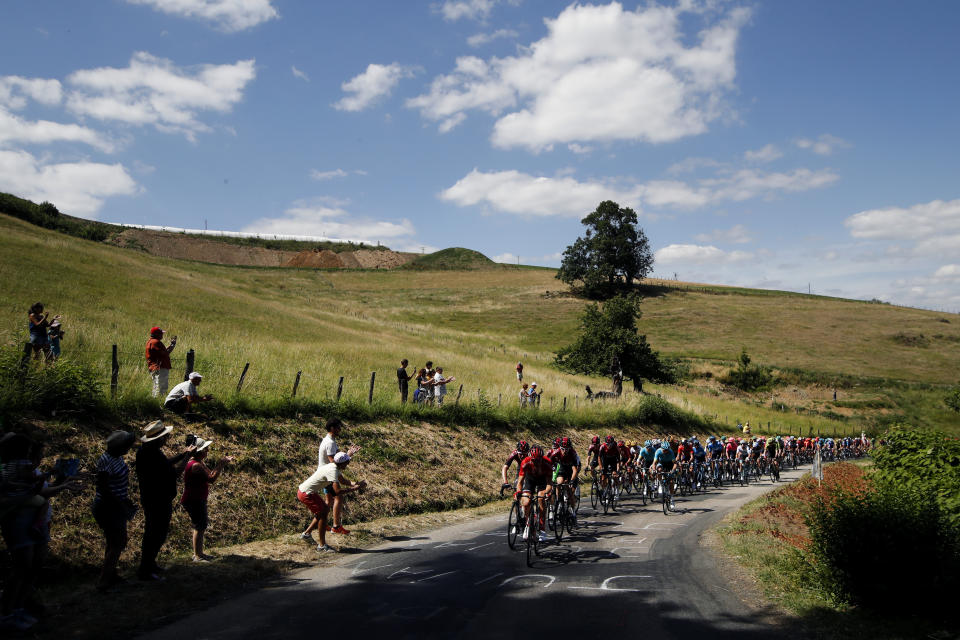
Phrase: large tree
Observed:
(609, 341)
(612, 253)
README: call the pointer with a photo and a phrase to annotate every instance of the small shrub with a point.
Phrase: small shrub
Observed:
(857, 539)
(911, 339)
(747, 377)
(64, 386)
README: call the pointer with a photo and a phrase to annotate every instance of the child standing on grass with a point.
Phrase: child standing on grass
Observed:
(55, 335)
(197, 478)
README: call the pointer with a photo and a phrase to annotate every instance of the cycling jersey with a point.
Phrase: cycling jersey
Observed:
(624, 453)
(684, 452)
(772, 449)
(569, 459)
(647, 456)
(665, 457)
(731, 449)
(516, 456)
(535, 474)
(593, 452)
(715, 449)
(699, 453)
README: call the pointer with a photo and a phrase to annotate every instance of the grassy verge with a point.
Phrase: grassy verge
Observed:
(770, 540)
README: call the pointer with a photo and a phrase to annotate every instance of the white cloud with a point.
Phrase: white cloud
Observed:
(328, 175)
(769, 153)
(14, 129)
(685, 254)
(824, 145)
(481, 39)
(549, 260)
(378, 80)
(299, 74)
(453, 10)
(319, 219)
(15, 90)
(600, 74)
(516, 192)
(153, 91)
(948, 272)
(77, 188)
(689, 165)
(737, 234)
(228, 15)
(522, 193)
(579, 148)
(919, 222)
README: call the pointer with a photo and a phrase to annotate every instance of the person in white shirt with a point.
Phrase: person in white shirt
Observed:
(186, 394)
(310, 492)
(329, 449)
(440, 385)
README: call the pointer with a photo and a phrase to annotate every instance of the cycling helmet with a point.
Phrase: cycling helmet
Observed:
(684, 441)
(523, 446)
(610, 440)
(665, 445)
(712, 439)
(621, 444)
(647, 443)
(536, 452)
(595, 439)
(565, 442)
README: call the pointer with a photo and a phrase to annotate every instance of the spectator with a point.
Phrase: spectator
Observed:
(533, 395)
(158, 361)
(524, 395)
(112, 509)
(519, 372)
(157, 475)
(423, 392)
(183, 396)
(328, 450)
(39, 340)
(440, 385)
(403, 380)
(197, 478)
(55, 335)
(328, 478)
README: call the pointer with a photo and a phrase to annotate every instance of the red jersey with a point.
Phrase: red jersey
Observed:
(553, 454)
(624, 453)
(685, 452)
(594, 450)
(540, 471)
(609, 453)
(731, 447)
(516, 456)
(568, 459)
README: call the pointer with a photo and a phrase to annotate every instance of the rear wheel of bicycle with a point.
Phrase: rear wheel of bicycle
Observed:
(594, 493)
(665, 503)
(606, 498)
(514, 525)
(576, 497)
(642, 489)
(560, 520)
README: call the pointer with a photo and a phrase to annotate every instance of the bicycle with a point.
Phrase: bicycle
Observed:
(666, 496)
(533, 530)
(514, 520)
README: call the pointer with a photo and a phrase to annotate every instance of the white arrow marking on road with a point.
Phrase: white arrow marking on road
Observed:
(614, 552)
(531, 575)
(605, 585)
(669, 524)
(357, 569)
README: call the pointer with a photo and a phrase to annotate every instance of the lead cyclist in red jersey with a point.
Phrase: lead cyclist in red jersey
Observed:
(536, 472)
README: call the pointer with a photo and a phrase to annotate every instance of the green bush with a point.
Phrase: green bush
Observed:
(891, 546)
(747, 377)
(63, 386)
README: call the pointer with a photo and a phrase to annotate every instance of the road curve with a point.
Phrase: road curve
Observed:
(634, 570)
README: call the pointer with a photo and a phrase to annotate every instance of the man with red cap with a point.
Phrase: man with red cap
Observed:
(158, 361)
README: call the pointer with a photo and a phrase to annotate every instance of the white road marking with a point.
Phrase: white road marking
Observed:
(451, 544)
(404, 571)
(480, 546)
(605, 586)
(641, 551)
(552, 579)
(432, 577)
(488, 579)
(358, 570)
(669, 524)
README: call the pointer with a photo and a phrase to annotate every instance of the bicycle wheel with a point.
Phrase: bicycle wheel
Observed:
(559, 518)
(606, 498)
(642, 489)
(514, 525)
(628, 484)
(665, 502)
(594, 493)
(576, 497)
(533, 535)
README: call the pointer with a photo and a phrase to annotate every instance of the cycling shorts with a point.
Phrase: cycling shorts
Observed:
(667, 466)
(533, 486)
(564, 471)
(609, 467)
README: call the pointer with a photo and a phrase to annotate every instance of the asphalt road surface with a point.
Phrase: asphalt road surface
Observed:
(634, 570)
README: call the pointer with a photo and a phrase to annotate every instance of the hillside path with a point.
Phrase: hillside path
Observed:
(634, 570)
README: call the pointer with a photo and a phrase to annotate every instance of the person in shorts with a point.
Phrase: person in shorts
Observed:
(112, 508)
(197, 478)
(329, 449)
(311, 493)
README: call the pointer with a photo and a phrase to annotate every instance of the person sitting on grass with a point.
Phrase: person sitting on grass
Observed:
(197, 478)
(186, 394)
(310, 492)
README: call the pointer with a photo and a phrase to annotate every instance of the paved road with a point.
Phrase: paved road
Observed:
(635, 570)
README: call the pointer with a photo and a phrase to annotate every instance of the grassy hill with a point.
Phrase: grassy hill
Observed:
(452, 259)
(887, 361)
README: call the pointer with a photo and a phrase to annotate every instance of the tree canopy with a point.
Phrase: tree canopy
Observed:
(608, 333)
(611, 255)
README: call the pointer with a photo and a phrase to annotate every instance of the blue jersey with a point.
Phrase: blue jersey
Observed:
(647, 455)
(699, 453)
(664, 455)
(715, 448)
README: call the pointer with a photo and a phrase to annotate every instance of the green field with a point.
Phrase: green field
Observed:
(475, 323)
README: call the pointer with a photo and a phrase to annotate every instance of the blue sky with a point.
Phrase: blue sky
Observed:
(767, 144)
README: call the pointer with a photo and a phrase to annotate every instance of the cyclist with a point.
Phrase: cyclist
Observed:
(743, 454)
(664, 460)
(645, 459)
(554, 450)
(715, 451)
(566, 472)
(609, 457)
(699, 459)
(625, 459)
(517, 456)
(593, 453)
(534, 478)
(772, 452)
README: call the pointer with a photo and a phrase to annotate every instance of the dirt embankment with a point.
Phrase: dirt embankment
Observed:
(187, 247)
(362, 259)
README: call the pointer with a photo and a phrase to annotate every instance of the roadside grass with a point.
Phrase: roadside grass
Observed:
(770, 540)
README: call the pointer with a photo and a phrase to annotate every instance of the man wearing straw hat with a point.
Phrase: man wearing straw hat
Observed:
(157, 475)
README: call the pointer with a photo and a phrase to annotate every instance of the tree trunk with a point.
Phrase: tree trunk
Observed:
(638, 384)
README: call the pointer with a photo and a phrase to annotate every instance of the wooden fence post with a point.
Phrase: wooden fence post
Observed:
(459, 393)
(499, 399)
(373, 378)
(296, 384)
(190, 357)
(243, 375)
(551, 403)
(339, 388)
(564, 403)
(114, 373)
